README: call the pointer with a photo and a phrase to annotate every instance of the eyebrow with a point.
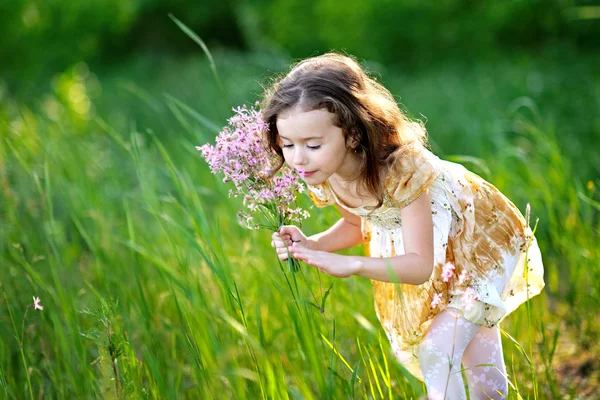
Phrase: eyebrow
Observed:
(308, 138)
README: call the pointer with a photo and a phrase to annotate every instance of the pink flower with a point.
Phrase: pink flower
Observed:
(447, 271)
(437, 300)
(464, 276)
(468, 297)
(36, 303)
(241, 154)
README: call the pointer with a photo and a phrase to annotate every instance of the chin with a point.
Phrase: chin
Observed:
(313, 180)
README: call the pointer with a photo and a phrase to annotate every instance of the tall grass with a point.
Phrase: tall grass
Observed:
(151, 289)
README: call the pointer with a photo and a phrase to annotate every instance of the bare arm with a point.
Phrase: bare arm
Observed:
(416, 265)
(343, 234)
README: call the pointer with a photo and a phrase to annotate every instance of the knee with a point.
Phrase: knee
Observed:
(433, 358)
(428, 354)
(423, 354)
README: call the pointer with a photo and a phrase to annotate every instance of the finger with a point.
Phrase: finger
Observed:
(284, 237)
(313, 263)
(283, 255)
(299, 249)
(284, 250)
(281, 240)
(279, 236)
(281, 244)
(306, 255)
(288, 230)
(299, 255)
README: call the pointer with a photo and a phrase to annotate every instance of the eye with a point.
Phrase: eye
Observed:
(314, 147)
(287, 146)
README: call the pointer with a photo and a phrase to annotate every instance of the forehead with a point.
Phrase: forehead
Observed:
(298, 123)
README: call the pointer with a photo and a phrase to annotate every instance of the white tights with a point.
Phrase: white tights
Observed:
(451, 339)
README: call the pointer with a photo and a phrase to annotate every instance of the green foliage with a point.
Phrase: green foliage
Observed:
(66, 32)
(415, 33)
(39, 38)
(42, 37)
(112, 201)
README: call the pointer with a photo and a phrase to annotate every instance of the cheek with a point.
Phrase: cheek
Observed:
(287, 156)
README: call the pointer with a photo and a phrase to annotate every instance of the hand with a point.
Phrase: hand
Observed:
(288, 234)
(332, 264)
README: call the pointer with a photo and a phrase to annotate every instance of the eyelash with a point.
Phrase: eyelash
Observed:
(287, 146)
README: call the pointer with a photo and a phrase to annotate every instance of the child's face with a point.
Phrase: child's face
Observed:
(314, 146)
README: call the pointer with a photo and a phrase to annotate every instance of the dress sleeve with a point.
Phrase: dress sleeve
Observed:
(321, 195)
(409, 176)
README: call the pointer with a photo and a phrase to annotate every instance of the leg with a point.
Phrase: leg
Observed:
(486, 382)
(440, 353)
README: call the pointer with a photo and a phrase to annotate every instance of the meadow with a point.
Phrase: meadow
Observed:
(151, 289)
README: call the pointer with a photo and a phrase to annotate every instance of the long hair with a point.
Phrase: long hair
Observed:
(364, 110)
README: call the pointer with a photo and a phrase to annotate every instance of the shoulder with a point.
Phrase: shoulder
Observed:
(410, 173)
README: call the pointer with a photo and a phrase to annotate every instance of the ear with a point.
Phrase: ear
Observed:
(351, 141)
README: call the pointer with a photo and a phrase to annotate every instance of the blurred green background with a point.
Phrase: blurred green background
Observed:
(150, 287)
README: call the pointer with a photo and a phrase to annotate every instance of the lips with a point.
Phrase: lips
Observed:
(306, 174)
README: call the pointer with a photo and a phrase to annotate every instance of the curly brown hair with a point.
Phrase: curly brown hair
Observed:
(364, 110)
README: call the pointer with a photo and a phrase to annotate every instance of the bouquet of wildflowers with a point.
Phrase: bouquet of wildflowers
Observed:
(241, 154)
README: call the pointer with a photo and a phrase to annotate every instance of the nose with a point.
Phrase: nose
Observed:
(300, 157)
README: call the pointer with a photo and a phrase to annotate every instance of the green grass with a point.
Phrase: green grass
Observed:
(151, 289)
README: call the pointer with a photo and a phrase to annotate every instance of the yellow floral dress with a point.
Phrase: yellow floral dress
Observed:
(476, 228)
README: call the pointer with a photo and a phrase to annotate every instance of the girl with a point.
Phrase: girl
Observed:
(449, 256)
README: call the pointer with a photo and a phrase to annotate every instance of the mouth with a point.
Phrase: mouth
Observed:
(306, 174)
